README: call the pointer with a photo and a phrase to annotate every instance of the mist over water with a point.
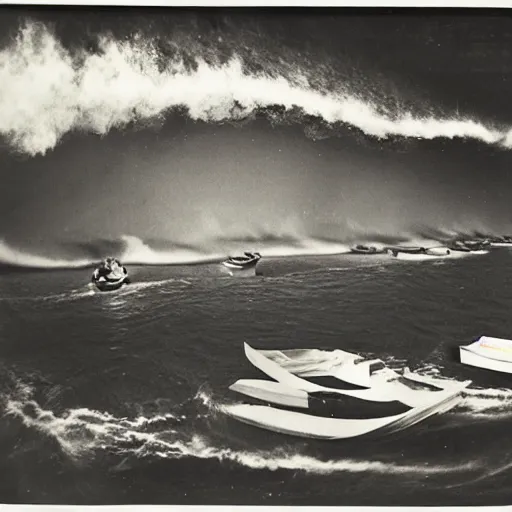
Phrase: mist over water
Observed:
(210, 137)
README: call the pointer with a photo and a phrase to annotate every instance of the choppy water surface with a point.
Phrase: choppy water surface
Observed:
(113, 397)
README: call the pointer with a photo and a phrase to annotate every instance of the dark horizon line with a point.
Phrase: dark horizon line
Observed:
(279, 10)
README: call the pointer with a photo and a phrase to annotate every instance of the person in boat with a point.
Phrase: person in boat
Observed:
(115, 265)
(104, 269)
(109, 266)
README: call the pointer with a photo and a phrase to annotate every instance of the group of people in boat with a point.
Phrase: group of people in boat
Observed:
(109, 266)
(110, 275)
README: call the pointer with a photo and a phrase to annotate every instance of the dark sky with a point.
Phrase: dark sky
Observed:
(138, 121)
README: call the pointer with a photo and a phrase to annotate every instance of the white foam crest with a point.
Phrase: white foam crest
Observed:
(487, 402)
(122, 84)
(82, 431)
(305, 247)
(12, 256)
(137, 252)
(205, 398)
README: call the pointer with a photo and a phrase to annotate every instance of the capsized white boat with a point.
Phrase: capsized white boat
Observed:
(488, 353)
(344, 366)
(305, 425)
(384, 386)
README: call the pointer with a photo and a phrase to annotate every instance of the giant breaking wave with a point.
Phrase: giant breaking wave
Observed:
(129, 81)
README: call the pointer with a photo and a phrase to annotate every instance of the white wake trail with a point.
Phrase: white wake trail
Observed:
(81, 432)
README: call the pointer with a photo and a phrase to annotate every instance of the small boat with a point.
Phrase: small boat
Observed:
(110, 275)
(250, 259)
(394, 250)
(365, 249)
(477, 245)
(458, 245)
(501, 244)
(421, 254)
(488, 353)
(501, 241)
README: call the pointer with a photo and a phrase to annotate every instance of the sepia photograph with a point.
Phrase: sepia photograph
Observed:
(255, 256)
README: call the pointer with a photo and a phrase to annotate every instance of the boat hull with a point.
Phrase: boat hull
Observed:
(369, 252)
(319, 403)
(471, 358)
(405, 249)
(243, 266)
(418, 256)
(109, 286)
(304, 425)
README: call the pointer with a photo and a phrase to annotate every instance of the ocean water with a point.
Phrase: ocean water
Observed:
(115, 398)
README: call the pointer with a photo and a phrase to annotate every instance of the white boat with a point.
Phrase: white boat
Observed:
(291, 389)
(438, 251)
(305, 425)
(421, 254)
(248, 260)
(501, 244)
(488, 353)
